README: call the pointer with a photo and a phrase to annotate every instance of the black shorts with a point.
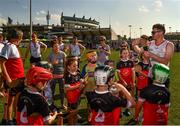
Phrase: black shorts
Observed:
(35, 60)
(20, 86)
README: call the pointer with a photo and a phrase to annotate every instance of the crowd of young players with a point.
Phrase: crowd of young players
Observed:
(106, 87)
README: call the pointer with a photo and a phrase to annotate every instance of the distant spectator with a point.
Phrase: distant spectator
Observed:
(62, 46)
(75, 48)
(35, 49)
(57, 58)
(103, 50)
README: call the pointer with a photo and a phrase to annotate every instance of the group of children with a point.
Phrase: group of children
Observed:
(107, 88)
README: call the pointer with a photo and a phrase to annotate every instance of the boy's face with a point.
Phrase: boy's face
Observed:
(111, 64)
(41, 85)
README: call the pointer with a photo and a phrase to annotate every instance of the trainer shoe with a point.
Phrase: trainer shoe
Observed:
(132, 122)
(127, 112)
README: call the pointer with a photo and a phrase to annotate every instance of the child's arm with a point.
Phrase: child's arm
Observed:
(138, 108)
(126, 93)
(133, 76)
(121, 79)
(51, 119)
(138, 69)
(68, 87)
(4, 71)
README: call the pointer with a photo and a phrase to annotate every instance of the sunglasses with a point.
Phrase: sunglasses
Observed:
(123, 46)
(154, 32)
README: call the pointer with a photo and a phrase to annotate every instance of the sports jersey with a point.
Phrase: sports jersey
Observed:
(159, 50)
(103, 105)
(14, 63)
(35, 49)
(57, 68)
(88, 70)
(75, 50)
(29, 104)
(142, 81)
(156, 103)
(72, 80)
(125, 70)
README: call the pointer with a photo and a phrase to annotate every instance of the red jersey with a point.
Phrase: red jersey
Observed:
(125, 68)
(72, 80)
(142, 81)
(32, 109)
(14, 64)
(103, 107)
(156, 104)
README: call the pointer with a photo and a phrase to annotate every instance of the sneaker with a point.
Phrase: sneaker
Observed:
(3, 122)
(127, 112)
(14, 121)
(9, 122)
(121, 114)
(132, 122)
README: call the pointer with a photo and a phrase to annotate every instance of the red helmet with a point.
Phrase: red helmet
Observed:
(38, 74)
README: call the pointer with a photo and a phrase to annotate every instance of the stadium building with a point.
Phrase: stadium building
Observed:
(86, 29)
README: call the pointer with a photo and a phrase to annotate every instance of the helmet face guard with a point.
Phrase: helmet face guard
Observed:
(160, 73)
(103, 74)
(36, 75)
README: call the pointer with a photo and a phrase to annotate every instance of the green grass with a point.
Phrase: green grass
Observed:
(174, 111)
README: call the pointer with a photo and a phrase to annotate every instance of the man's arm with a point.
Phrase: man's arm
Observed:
(44, 46)
(164, 60)
(135, 46)
(82, 47)
(108, 52)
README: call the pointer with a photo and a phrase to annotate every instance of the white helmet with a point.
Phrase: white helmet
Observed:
(160, 73)
(103, 74)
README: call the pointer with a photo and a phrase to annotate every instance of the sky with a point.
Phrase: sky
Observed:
(117, 13)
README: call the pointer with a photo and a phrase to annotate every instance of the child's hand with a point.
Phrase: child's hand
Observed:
(125, 84)
(83, 81)
(81, 86)
(55, 61)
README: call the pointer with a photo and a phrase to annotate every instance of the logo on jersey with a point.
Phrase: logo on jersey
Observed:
(23, 115)
(100, 116)
(125, 72)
